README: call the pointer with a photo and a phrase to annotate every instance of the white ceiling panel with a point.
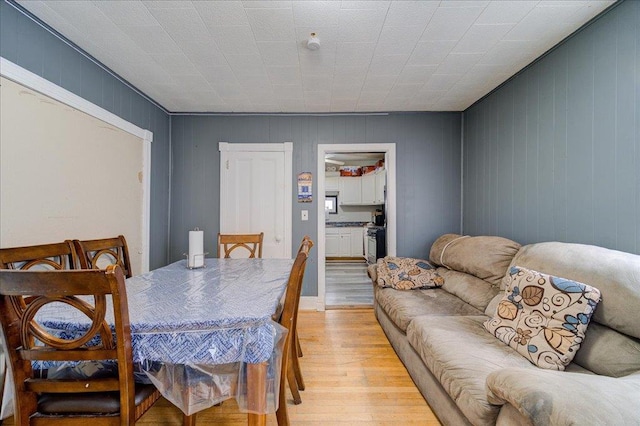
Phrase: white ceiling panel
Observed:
(431, 52)
(316, 13)
(251, 56)
(235, 40)
(505, 12)
(387, 65)
(361, 25)
(480, 38)
(278, 53)
(221, 13)
(271, 24)
(410, 13)
(451, 23)
(380, 83)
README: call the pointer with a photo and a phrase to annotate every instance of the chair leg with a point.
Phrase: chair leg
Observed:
(292, 377)
(293, 385)
(295, 365)
(298, 347)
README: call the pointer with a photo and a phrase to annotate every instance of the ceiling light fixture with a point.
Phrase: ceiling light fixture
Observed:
(330, 161)
(314, 42)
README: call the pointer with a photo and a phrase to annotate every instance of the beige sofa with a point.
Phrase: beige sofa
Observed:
(470, 377)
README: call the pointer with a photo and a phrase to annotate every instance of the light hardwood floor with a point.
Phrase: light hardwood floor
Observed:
(347, 285)
(352, 376)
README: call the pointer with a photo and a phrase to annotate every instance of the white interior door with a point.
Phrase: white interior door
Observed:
(255, 194)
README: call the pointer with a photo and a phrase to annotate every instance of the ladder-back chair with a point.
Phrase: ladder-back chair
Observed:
(98, 254)
(288, 319)
(251, 243)
(43, 400)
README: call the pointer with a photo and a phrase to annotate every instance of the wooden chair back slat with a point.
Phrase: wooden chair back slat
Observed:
(252, 243)
(91, 253)
(56, 256)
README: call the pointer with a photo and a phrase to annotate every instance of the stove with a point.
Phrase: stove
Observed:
(376, 243)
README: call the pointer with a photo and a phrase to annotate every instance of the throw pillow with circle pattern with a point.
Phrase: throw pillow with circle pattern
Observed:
(405, 273)
(543, 317)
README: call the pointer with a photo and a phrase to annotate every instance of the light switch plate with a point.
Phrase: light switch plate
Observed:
(304, 215)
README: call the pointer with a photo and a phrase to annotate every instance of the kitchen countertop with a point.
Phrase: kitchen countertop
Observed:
(345, 224)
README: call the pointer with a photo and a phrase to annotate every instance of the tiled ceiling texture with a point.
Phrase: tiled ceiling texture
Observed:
(251, 56)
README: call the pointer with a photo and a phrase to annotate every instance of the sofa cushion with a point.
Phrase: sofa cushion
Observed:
(544, 318)
(614, 273)
(403, 306)
(405, 273)
(476, 292)
(547, 397)
(461, 354)
(485, 257)
(622, 353)
(617, 275)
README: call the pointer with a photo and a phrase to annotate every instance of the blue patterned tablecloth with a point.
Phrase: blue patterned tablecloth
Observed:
(219, 314)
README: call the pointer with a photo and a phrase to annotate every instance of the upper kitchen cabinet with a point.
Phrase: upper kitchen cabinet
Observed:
(380, 177)
(368, 192)
(350, 190)
(332, 183)
(362, 190)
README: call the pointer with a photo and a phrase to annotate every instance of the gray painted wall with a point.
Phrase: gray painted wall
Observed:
(554, 154)
(428, 171)
(30, 46)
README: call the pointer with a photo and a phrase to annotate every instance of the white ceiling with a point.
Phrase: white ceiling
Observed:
(251, 56)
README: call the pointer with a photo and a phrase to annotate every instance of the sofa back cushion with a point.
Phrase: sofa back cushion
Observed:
(485, 257)
(476, 292)
(617, 276)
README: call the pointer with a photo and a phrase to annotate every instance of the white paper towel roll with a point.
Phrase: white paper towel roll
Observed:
(196, 249)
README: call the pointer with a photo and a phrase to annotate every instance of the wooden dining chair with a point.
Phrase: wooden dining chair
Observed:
(40, 400)
(43, 256)
(98, 254)
(53, 256)
(252, 243)
(288, 319)
(296, 340)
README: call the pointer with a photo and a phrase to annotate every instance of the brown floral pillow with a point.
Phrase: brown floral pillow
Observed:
(543, 317)
(404, 273)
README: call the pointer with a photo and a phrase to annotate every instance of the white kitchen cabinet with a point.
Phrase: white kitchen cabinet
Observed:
(332, 242)
(356, 242)
(380, 183)
(332, 183)
(368, 188)
(350, 190)
(344, 242)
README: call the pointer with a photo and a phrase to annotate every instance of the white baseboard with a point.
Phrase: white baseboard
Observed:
(309, 303)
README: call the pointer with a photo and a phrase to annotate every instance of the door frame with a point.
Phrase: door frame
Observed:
(389, 150)
(33, 81)
(287, 149)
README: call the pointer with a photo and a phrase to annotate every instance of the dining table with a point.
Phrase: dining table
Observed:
(203, 335)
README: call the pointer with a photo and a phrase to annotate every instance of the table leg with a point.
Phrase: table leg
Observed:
(257, 393)
(189, 420)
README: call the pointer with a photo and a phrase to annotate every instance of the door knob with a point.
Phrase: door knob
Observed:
(278, 238)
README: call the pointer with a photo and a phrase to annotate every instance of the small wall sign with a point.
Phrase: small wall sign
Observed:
(305, 183)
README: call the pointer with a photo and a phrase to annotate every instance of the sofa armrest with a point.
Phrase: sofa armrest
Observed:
(561, 398)
(372, 271)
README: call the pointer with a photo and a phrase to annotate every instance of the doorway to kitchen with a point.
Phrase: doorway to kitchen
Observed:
(353, 211)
